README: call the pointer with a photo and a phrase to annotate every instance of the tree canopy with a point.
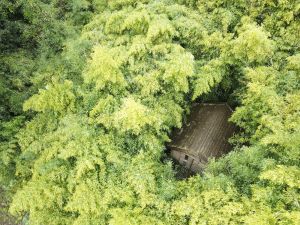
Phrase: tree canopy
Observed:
(91, 90)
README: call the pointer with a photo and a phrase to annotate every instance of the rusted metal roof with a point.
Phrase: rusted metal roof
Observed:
(206, 132)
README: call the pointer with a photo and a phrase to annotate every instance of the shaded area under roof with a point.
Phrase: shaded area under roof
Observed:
(206, 132)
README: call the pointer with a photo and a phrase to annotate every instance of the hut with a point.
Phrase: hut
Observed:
(204, 136)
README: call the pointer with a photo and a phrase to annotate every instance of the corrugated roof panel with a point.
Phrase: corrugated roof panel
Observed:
(206, 132)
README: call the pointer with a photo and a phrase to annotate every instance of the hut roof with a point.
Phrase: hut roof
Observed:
(206, 132)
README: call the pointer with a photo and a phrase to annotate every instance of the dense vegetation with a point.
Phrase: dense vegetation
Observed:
(91, 89)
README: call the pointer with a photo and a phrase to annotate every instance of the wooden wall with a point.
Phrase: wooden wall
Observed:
(188, 161)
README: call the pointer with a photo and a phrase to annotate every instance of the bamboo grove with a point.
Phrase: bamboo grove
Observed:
(91, 89)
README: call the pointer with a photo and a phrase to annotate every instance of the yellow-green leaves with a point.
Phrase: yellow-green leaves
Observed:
(103, 110)
(208, 76)
(177, 70)
(138, 57)
(149, 83)
(266, 76)
(260, 98)
(57, 97)
(103, 69)
(283, 175)
(133, 116)
(160, 30)
(136, 22)
(95, 154)
(294, 63)
(253, 44)
(284, 127)
(86, 199)
(209, 207)
(122, 3)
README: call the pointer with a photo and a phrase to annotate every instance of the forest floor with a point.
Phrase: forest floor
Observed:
(5, 217)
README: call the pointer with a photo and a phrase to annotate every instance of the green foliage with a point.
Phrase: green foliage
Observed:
(283, 175)
(57, 98)
(208, 76)
(260, 98)
(104, 70)
(133, 117)
(108, 82)
(252, 44)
